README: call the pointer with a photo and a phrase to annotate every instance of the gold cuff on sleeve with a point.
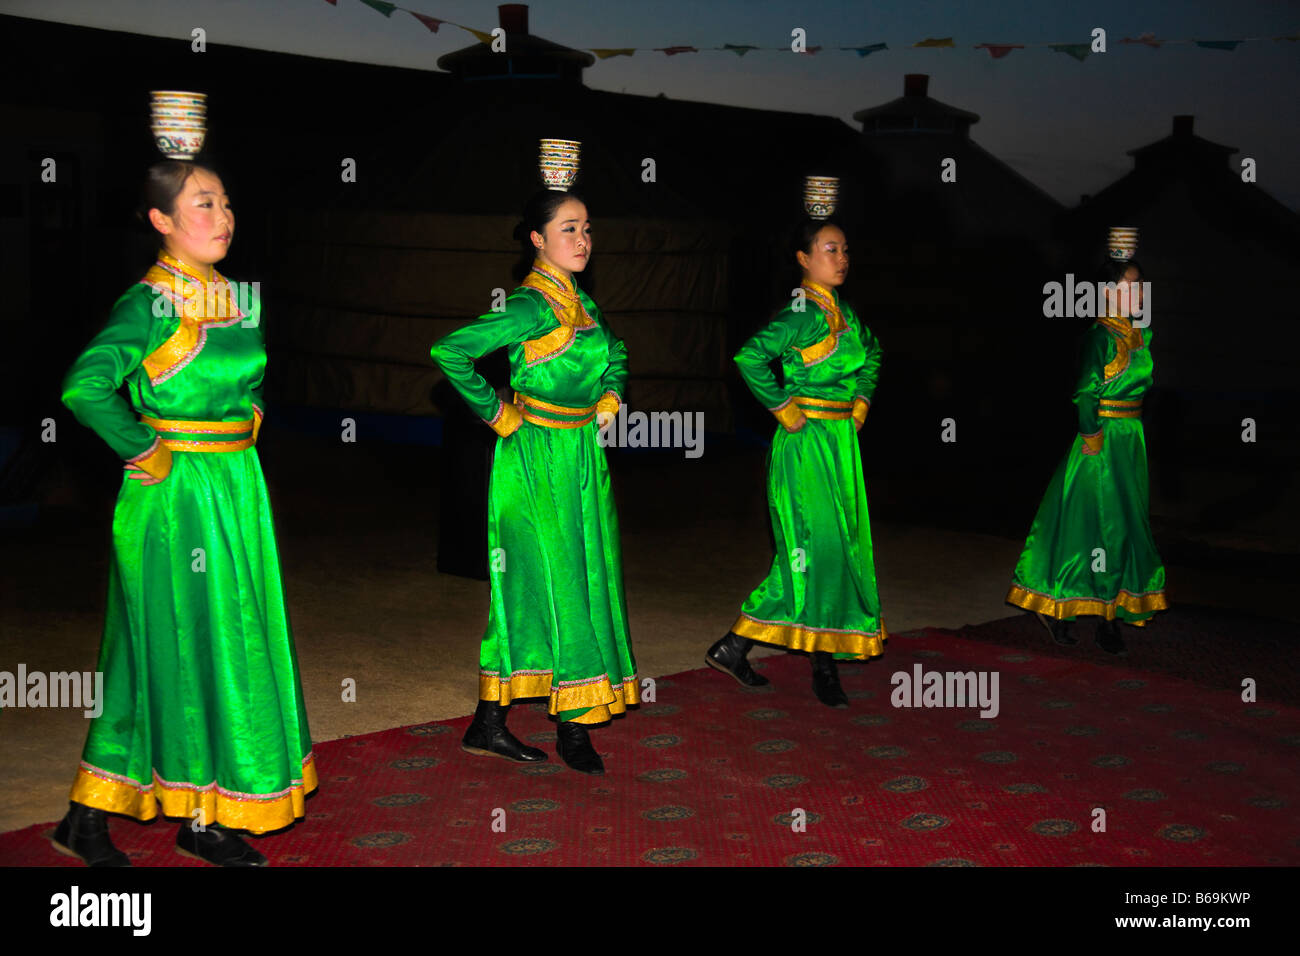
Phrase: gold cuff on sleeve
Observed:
(1093, 441)
(156, 462)
(507, 420)
(608, 403)
(788, 415)
(860, 408)
(257, 422)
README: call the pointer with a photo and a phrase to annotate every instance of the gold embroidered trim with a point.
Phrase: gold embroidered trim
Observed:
(604, 699)
(1126, 339)
(255, 812)
(564, 302)
(553, 343)
(198, 304)
(797, 637)
(204, 428)
(1148, 602)
(825, 300)
(178, 444)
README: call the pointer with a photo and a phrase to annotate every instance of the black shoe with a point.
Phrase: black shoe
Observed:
(488, 737)
(83, 833)
(1059, 629)
(1108, 639)
(728, 656)
(216, 845)
(574, 747)
(826, 681)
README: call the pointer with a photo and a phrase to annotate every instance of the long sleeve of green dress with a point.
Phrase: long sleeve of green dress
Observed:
(90, 387)
(754, 360)
(1087, 391)
(457, 352)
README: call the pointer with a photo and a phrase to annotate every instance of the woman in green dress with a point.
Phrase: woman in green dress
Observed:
(820, 595)
(203, 715)
(557, 623)
(1090, 550)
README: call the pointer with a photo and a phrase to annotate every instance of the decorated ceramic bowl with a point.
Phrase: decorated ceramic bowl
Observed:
(178, 144)
(559, 178)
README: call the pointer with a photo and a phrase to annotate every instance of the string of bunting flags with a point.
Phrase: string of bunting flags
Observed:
(1079, 51)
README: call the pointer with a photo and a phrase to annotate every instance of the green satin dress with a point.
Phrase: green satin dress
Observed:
(203, 707)
(821, 593)
(1090, 550)
(557, 622)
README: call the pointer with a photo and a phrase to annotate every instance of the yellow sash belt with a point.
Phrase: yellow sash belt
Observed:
(203, 436)
(823, 407)
(557, 416)
(1115, 408)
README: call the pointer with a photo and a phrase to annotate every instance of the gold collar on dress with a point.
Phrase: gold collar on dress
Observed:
(828, 302)
(564, 301)
(201, 300)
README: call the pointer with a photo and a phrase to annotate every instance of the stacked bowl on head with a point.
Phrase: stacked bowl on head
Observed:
(819, 195)
(1122, 242)
(179, 122)
(559, 163)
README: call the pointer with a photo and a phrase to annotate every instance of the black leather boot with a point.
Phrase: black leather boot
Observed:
(83, 832)
(573, 745)
(728, 656)
(1059, 630)
(826, 681)
(487, 736)
(1107, 637)
(216, 845)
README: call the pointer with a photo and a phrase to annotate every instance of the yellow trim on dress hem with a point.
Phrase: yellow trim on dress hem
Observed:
(598, 694)
(799, 638)
(256, 813)
(1147, 604)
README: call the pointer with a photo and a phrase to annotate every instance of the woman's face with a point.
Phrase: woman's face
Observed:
(828, 262)
(1129, 281)
(566, 242)
(201, 227)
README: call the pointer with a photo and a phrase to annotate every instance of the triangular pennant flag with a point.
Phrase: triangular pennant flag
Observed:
(431, 22)
(1146, 39)
(1218, 44)
(482, 37)
(999, 50)
(864, 50)
(606, 54)
(385, 8)
(931, 41)
(674, 50)
(1079, 51)
(738, 49)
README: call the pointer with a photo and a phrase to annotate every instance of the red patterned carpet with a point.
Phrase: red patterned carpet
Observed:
(710, 774)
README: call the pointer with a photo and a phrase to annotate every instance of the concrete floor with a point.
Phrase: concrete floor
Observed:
(358, 537)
